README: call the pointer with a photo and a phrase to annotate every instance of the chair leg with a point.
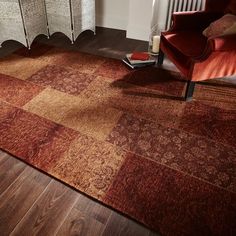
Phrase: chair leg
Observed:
(160, 58)
(189, 90)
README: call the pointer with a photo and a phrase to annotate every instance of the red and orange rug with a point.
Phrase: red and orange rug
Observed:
(125, 137)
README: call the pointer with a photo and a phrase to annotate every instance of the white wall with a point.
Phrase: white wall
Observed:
(134, 16)
(139, 21)
(112, 13)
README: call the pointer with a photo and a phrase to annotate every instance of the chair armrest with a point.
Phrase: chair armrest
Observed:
(198, 20)
(218, 44)
(223, 43)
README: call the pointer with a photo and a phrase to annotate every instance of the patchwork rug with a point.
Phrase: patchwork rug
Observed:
(125, 137)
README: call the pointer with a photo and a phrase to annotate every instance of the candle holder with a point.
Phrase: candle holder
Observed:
(154, 45)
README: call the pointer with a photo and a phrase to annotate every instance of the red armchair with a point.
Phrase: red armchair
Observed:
(197, 57)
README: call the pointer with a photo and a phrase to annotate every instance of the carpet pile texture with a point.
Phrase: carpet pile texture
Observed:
(125, 137)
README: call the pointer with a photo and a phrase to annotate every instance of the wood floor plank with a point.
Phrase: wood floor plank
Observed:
(152, 233)
(120, 225)
(10, 169)
(49, 212)
(19, 197)
(3, 156)
(93, 209)
(80, 224)
(1, 152)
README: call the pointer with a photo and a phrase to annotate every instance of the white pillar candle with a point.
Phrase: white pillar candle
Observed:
(156, 44)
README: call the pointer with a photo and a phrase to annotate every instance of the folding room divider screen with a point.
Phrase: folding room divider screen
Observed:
(24, 20)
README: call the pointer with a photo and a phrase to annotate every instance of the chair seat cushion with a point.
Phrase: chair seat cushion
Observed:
(189, 43)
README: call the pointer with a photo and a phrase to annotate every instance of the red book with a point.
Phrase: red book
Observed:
(142, 56)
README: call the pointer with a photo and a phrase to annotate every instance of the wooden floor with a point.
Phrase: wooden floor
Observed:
(32, 203)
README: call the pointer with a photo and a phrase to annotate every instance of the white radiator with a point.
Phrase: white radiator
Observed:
(183, 5)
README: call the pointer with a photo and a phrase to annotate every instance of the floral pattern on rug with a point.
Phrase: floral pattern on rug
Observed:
(171, 201)
(63, 79)
(179, 150)
(92, 165)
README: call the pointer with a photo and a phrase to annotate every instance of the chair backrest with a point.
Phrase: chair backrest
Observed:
(217, 5)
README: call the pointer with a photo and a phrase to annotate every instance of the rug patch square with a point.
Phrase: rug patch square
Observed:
(89, 165)
(90, 117)
(201, 119)
(114, 70)
(20, 67)
(17, 92)
(171, 201)
(101, 89)
(63, 79)
(34, 138)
